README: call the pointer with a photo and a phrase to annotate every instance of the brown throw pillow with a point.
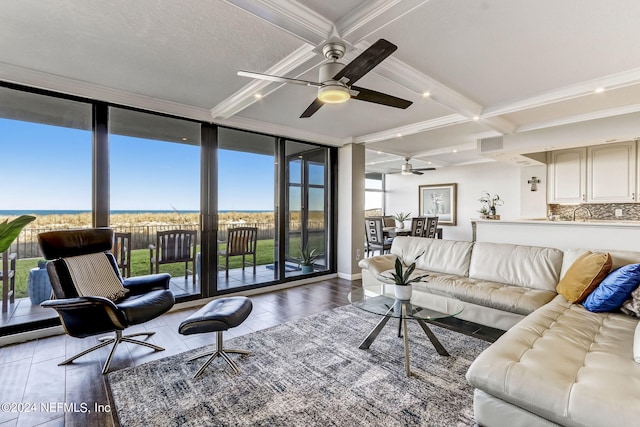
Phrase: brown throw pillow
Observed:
(584, 275)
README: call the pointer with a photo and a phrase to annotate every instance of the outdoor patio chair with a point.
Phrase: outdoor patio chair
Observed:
(241, 241)
(8, 278)
(174, 246)
(122, 252)
(90, 296)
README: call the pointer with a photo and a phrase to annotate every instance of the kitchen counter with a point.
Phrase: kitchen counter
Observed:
(590, 222)
(595, 234)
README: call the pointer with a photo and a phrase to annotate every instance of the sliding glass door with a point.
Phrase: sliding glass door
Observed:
(306, 237)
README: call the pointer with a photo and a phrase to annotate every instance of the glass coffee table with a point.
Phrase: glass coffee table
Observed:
(422, 306)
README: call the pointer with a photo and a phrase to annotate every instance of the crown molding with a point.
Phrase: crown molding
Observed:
(412, 128)
(613, 81)
(279, 130)
(46, 81)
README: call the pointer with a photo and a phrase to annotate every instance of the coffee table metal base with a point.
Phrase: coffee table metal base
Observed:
(405, 333)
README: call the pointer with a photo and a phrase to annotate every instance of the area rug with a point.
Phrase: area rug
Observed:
(308, 372)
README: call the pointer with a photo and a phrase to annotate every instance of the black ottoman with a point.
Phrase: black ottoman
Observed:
(217, 316)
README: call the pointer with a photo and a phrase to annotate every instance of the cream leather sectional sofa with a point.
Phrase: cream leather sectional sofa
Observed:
(557, 364)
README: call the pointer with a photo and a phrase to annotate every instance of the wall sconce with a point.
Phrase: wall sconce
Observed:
(534, 181)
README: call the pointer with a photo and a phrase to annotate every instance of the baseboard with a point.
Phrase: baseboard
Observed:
(31, 335)
(352, 277)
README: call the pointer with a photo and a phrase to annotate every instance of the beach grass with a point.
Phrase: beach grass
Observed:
(140, 257)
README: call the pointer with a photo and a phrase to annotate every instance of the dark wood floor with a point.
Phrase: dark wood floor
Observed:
(38, 388)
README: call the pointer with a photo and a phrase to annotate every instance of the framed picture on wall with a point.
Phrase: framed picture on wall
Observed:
(438, 200)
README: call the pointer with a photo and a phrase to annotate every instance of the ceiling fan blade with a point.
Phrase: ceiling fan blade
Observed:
(366, 61)
(416, 172)
(278, 78)
(311, 109)
(425, 169)
(379, 98)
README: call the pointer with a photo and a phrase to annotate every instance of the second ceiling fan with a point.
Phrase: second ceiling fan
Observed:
(336, 79)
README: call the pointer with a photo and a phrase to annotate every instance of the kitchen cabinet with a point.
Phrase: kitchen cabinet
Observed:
(611, 173)
(567, 173)
(607, 173)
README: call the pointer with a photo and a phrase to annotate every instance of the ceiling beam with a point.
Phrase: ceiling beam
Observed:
(426, 125)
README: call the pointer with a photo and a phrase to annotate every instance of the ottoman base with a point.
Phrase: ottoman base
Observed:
(218, 352)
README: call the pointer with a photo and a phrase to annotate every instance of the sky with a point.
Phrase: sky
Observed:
(45, 167)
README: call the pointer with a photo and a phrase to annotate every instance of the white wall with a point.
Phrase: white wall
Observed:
(533, 204)
(493, 177)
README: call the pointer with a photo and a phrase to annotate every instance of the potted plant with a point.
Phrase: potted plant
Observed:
(9, 230)
(307, 258)
(489, 204)
(403, 280)
(400, 218)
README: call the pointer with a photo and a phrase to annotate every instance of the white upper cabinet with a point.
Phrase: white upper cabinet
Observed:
(611, 173)
(567, 176)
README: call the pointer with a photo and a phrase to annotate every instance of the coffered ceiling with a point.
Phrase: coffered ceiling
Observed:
(473, 68)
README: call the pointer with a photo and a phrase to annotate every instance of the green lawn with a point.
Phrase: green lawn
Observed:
(140, 264)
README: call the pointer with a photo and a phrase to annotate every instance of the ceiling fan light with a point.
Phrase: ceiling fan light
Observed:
(406, 169)
(333, 94)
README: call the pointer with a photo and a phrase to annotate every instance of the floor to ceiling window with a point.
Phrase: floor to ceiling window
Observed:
(45, 171)
(246, 215)
(155, 189)
(78, 163)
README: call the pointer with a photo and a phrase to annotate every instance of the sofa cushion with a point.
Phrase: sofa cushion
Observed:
(632, 305)
(561, 361)
(618, 258)
(584, 275)
(443, 256)
(614, 289)
(528, 266)
(514, 299)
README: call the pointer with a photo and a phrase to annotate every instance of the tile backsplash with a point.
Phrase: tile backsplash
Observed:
(604, 211)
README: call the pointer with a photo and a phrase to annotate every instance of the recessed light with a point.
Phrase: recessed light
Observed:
(379, 152)
(426, 94)
(476, 118)
(428, 163)
(399, 135)
(257, 96)
(455, 151)
(599, 89)
(185, 138)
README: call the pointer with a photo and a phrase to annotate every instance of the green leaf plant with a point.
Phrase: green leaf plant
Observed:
(9, 230)
(401, 278)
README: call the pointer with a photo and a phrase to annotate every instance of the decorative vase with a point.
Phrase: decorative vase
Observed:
(399, 225)
(307, 269)
(492, 210)
(403, 292)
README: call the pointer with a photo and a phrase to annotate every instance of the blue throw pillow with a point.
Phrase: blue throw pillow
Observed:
(614, 289)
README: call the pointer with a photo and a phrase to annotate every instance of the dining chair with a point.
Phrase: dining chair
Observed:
(418, 226)
(376, 240)
(431, 227)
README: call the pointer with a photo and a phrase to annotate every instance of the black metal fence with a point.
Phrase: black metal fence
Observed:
(26, 245)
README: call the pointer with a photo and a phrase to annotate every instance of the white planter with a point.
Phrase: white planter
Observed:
(403, 292)
(399, 225)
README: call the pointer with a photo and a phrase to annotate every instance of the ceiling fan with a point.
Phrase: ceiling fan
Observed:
(337, 79)
(407, 169)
